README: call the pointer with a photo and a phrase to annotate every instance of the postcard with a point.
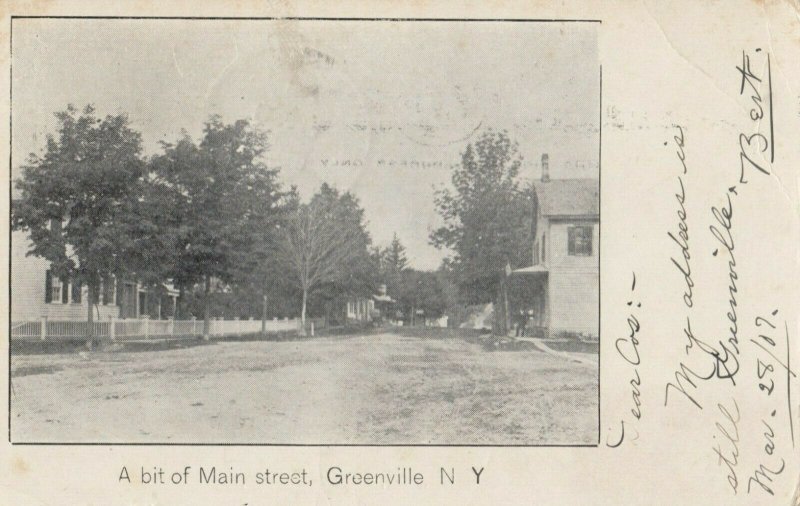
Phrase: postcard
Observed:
(401, 253)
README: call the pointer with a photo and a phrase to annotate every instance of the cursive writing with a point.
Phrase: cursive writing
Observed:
(766, 361)
(728, 451)
(682, 240)
(754, 145)
(628, 348)
(722, 231)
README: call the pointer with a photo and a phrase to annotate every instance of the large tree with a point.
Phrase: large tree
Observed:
(214, 205)
(487, 215)
(324, 244)
(389, 264)
(75, 197)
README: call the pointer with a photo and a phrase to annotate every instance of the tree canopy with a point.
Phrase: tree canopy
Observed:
(389, 264)
(323, 246)
(75, 197)
(487, 215)
(212, 205)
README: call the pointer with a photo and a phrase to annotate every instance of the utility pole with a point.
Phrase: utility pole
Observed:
(507, 273)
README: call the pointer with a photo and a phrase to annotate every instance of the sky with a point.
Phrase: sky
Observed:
(381, 109)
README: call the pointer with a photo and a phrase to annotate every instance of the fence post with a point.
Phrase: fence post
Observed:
(172, 327)
(312, 328)
(43, 330)
(112, 328)
(146, 327)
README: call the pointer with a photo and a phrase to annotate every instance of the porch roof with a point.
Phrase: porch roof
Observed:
(530, 271)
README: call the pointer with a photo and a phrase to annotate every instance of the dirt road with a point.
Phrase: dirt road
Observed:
(374, 389)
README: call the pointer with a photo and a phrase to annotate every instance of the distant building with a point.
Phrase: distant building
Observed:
(564, 276)
(360, 309)
(36, 293)
(364, 309)
(440, 322)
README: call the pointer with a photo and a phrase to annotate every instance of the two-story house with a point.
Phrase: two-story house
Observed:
(564, 275)
(36, 293)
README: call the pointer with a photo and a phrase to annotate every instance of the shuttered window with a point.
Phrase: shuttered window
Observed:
(580, 241)
(48, 287)
(65, 290)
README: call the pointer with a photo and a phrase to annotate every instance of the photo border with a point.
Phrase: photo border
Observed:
(303, 18)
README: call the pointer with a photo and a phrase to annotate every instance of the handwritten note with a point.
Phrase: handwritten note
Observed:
(731, 346)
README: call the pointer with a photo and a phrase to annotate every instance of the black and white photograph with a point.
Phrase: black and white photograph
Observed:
(317, 231)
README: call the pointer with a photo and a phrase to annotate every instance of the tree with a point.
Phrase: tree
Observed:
(73, 199)
(390, 263)
(324, 243)
(421, 291)
(215, 204)
(396, 255)
(487, 217)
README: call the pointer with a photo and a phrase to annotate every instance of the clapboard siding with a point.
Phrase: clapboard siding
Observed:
(574, 301)
(573, 280)
(28, 289)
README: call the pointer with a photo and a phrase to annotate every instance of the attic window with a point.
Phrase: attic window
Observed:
(580, 241)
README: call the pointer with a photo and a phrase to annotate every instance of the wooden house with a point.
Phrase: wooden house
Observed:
(564, 275)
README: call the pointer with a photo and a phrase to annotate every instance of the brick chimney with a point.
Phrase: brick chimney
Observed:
(545, 168)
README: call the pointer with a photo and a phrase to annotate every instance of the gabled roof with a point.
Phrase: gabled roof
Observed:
(568, 197)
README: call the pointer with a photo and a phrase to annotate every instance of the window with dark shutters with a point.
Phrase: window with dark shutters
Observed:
(48, 287)
(580, 241)
(64, 290)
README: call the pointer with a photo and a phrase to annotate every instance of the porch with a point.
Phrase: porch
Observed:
(136, 301)
(528, 301)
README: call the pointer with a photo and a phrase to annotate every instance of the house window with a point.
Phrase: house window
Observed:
(64, 290)
(56, 290)
(580, 241)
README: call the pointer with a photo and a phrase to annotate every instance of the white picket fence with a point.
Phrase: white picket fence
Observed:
(144, 329)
